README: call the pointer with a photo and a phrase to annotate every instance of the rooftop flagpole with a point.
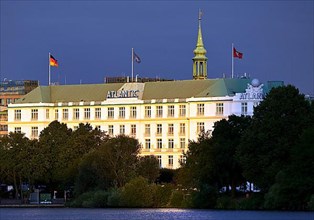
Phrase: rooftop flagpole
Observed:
(132, 64)
(232, 61)
(49, 69)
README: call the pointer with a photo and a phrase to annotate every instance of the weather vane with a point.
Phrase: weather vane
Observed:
(200, 13)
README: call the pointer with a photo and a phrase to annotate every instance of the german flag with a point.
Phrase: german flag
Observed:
(53, 61)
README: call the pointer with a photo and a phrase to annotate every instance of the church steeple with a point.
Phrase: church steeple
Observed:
(199, 60)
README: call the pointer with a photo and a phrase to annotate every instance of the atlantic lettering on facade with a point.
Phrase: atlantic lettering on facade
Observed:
(123, 94)
(251, 96)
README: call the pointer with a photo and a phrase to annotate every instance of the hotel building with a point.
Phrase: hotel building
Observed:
(163, 116)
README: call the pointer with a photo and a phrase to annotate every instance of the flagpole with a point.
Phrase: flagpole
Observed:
(132, 64)
(49, 69)
(232, 61)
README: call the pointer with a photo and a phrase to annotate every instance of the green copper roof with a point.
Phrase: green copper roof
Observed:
(200, 50)
(152, 90)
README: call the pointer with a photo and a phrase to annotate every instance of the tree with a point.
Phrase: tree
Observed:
(276, 126)
(82, 141)
(113, 164)
(121, 156)
(226, 138)
(16, 160)
(294, 184)
(148, 167)
(52, 141)
(137, 193)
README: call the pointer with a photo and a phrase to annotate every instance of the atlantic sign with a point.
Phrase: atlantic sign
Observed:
(122, 94)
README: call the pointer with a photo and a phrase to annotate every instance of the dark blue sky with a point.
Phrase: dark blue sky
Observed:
(93, 39)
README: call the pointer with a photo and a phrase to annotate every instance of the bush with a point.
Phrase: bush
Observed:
(204, 198)
(254, 202)
(114, 198)
(311, 203)
(137, 193)
(226, 202)
(94, 199)
(162, 194)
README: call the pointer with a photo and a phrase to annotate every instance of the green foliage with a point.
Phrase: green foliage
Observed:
(253, 202)
(177, 199)
(148, 167)
(114, 197)
(166, 175)
(206, 197)
(162, 194)
(226, 202)
(93, 199)
(137, 193)
(311, 203)
(276, 126)
(52, 141)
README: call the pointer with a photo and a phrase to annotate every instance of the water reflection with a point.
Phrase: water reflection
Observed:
(145, 214)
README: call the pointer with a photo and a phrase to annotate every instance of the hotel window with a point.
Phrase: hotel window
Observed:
(97, 127)
(110, 129)
(9, 101)
(170, 110)
(122, 129)
(159, 143)
(170, 129)
(110, 112)
(34, 114)
(159, 111)
(148, 111)
(133, 112)
(182, 159)
(200, 127)
(65, 114)
(47, 113)
(170, 160)
(200, 109)
(182, 128)
(56, 114)
(219, 108)
(133, 130)
(244, 108)
(182, 143)
(147, 129)
(147, 143)
(170, 143)
(182, 110)
(76, 114)
(34, 132)
(159, 129)
(255, 104)
(17, 115)
(17, 130)
(86, 113)
(97, 113)
(159, 160)
(121, 112)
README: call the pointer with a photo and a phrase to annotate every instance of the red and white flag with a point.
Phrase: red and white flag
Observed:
(237, 54)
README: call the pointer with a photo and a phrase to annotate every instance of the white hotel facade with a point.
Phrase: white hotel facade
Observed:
(163, 116)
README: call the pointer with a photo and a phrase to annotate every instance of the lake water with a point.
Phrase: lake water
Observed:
(149, 214)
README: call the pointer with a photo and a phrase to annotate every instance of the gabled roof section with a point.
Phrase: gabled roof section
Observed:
(152, 90)
(40, 94)
(84, 93)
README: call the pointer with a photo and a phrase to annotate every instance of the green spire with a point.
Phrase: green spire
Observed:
(200, 60)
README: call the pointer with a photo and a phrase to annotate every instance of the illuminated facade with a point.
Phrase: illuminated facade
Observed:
(163, 116)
